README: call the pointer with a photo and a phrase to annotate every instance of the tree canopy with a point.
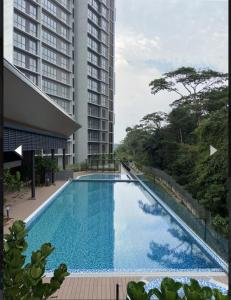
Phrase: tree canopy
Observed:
(178, 142)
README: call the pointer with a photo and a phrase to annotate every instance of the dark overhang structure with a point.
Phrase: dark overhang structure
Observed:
(31, 118)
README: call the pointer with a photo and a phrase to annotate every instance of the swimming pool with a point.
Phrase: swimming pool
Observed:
(113, 224)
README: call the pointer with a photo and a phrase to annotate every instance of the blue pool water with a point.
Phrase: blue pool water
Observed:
(114, 226)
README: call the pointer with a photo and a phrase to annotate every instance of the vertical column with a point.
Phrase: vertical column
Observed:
(52, 172)
(32, 176)
(64, 159)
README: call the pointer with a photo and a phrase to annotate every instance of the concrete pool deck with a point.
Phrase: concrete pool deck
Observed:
(89, 286)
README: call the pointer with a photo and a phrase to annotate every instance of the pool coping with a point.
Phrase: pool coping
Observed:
(29, 220)
(144, 274)
(42, 207)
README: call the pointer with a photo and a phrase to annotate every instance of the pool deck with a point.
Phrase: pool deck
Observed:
(104, 288)
(89, 287)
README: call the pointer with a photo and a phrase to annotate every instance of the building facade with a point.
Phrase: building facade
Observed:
(66, 47)
(94, 77)
(41, 47)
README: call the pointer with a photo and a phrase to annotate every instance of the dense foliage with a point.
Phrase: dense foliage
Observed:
(44, 166)
(25, 282)
(12, 181)
(170, 290)
(179, 142)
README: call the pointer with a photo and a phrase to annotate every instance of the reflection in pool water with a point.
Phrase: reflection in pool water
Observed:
(114, 226)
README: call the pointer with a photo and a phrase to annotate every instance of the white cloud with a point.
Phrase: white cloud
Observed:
(152, 38)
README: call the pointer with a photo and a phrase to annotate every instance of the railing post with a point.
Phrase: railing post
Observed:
(205, 230)
(117, 291)
(52, 172)
(32, 175)
(64, 159)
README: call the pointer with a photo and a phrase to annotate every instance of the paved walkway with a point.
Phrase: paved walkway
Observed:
(104, 288)
(22, 205)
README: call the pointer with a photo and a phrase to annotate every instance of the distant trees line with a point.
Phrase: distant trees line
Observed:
(179, 142)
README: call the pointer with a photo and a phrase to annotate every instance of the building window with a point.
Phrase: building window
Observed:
(104, 101)
(49, 6)
(49, 55)
(49, 22)
(93, 44)
(93, 123)
(93, 136)
(103, 113)
(32, 77)
(64, 92)
(103, 123)
(104, 51)
(32, 47)
(93, 98)
(32, 64)
(20, 4)
(64, 32)
(32, 11)
(93, 58)
(33, 29)
(93, 30)
(49, 39)
(104, 24)
(20, 22)
(103, 88)
(93, 149)
(93, 85)
(104, 136)
(19, 59)
(50, 87)
(63, 62)
(103, 76)
(49, 71)
(104, 63)
(104, 38)
(19, 41)
(63, 47)
(93, 72)
(94, 4)
(93, 17)
(104, 12)
(63, 16)
(64, 77)
(93, 111)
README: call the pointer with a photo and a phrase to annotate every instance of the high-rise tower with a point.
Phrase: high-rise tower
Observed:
(39, 42)
(66, 47)
(94, 76)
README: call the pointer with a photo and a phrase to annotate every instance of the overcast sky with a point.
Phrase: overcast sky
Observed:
(156, 36)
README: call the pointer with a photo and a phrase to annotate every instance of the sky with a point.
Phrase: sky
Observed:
(156, 36)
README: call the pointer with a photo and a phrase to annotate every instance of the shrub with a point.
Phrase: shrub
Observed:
(44, 165)
(169, 290)
(78, 167)
(25, 282)
(12, 182)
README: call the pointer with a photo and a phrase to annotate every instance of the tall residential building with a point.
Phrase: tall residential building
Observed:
(94, 77)
(39, 42)
(66, 47)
